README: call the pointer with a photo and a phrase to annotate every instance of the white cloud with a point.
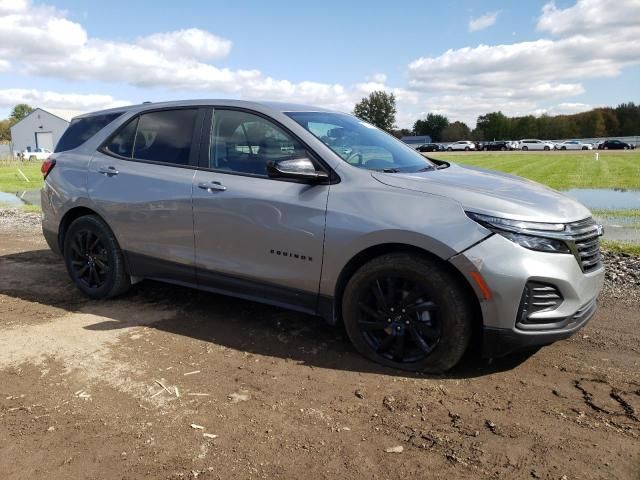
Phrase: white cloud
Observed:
(41, 41)
(593, 38)
(588, 17)
(192, 42)
(484, 21)
(66, 105)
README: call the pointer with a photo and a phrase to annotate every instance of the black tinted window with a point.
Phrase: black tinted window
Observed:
(165, 136)
(82, 129)
(246, 143)
(122, 143)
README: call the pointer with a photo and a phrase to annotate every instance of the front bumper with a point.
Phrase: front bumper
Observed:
(505, 268)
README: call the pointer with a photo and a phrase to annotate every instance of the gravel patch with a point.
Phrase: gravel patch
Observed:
(14, 218)
(622, 278)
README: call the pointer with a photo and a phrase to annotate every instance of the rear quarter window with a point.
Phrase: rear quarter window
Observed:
(82, 129)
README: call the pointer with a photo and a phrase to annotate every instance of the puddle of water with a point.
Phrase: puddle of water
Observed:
(606, 198)
(27, 197)
(622, 229)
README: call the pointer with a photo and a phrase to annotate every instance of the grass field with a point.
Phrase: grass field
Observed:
(560, 170)
(11, 180)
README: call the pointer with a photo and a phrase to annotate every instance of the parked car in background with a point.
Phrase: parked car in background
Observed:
(37, 154)
(499, 146)
(416, 257)
(534, 144)
(429, 147)
(461, 145)
(574, 145)
(615, 145)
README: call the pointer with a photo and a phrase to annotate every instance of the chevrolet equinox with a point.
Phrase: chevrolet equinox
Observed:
(320, 212)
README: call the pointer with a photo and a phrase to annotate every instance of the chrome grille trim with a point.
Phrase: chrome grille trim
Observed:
(583, 240)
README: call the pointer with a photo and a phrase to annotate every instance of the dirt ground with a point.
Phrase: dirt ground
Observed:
(172, 383)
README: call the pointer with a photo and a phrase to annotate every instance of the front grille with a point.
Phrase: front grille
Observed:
(582, 238)
(538, 297)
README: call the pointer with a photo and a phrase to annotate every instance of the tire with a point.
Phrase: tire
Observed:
(32, 158)
(466, 149)
(485, 149)
(546, 149)
(585, 148)
(605, 147)
(563, 148)
(503, 149)
(449, 149)
(525, 148)
(443, 323)
(94, 259)
(626, 148)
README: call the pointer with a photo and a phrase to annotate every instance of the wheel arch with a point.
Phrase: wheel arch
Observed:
(374, 251)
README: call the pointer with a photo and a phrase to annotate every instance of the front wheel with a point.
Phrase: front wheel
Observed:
(93, 258)
(546, 148)
(449, 149)
(406, 311)
(525, 148)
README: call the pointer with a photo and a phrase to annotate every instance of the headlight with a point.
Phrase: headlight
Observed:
(531, 235)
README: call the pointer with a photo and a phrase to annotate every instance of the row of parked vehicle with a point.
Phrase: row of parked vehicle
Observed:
(525, 144)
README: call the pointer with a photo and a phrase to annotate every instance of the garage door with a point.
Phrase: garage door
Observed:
(44, 140)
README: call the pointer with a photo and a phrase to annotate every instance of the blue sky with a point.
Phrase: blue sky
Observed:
(460, 58)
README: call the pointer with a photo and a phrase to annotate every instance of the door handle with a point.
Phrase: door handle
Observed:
(209, 186)
(108, 171)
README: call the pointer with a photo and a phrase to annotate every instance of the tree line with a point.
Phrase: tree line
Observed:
(17, 113)
(379, 108)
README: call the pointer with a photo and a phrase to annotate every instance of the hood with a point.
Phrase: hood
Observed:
(492, 193)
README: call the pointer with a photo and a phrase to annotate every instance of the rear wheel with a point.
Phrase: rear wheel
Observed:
(93, 258)
(546, 148)
(449, 149)
(406, 311)
(466, 149)
(525, 148)
(502, 149)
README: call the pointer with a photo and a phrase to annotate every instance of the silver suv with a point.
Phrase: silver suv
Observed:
(323, 213)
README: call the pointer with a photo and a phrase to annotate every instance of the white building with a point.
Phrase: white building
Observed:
(39, 129)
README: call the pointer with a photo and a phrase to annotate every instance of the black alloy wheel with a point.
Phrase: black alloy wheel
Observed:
(93, 258)
(407, 311)
(398, 320)
(89, 259)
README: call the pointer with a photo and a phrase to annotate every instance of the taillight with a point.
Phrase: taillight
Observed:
(47, 166)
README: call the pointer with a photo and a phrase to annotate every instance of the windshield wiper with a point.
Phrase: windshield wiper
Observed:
(390, 170)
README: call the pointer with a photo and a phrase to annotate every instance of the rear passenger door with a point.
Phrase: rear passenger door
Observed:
(256, 236)
(141, 182)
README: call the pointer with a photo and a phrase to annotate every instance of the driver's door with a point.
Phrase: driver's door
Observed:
(255, 236)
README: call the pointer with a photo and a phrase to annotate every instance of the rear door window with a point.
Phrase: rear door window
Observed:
(121, 143)
(82, 129)
(165, 136)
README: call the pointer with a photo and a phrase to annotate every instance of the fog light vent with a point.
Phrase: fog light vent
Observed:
(538, 297)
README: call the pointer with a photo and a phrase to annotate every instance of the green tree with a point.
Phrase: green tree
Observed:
(432, 125)
(20, 111)
(456, 131)
(379, 109)
(494, 126)
(5, 130)
(628, 115)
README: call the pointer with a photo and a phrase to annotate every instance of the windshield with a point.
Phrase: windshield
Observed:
(361, 144)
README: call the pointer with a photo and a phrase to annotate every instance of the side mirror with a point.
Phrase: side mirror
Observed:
(299, 168)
